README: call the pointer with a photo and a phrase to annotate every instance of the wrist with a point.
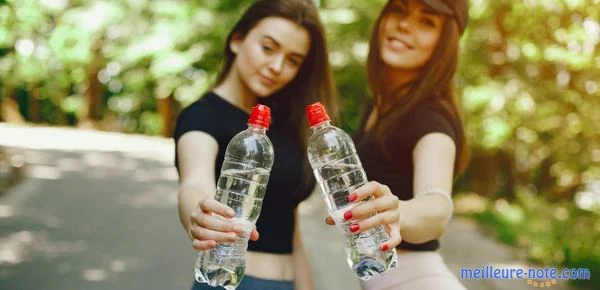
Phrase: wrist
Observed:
(403, 216)
(446, 213)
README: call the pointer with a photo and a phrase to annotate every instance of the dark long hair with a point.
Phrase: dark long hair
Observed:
(314, 80)
(434, 84)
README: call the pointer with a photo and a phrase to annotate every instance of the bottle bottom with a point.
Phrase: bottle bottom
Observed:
(368, 267)
(215, 275)
(223, 266)
(363, 254)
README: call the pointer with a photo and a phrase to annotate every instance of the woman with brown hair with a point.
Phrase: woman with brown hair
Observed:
(411, 139)
(276, 55)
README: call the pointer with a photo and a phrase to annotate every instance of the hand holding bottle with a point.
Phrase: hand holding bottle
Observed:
(377, 206)
(210, 223)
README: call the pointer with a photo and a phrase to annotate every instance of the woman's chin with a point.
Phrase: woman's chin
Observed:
(397, 60)
(262, 91)
(394, 62)
(262, 94)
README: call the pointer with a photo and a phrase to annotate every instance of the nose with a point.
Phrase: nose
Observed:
(276, 64)
(405, 22)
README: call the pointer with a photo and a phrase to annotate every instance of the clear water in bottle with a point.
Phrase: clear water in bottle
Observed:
(339, 172)
(337, 181)
(242, 191)
(242, 185)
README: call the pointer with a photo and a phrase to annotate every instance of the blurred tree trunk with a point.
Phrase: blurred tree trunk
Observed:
(495, 171)
(508, 166)
(58, 100)
(544, 179)
(9, 110)
(92, 111)
(166, 109)
(2, 101)
(483, 172)
(94, 91)
(33, 103)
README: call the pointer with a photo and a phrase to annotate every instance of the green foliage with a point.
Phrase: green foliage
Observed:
(528, 74)
(528, 82)
(551, 233)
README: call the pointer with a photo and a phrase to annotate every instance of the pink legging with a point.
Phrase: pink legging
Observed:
(416, 271)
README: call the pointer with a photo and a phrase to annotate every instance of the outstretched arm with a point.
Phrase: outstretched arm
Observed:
(200, 214)
(422, 218)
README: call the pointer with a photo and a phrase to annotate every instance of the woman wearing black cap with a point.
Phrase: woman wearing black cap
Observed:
(411, 139)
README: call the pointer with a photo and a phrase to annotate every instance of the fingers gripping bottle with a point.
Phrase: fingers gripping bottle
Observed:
(338, 171)
(241, 185)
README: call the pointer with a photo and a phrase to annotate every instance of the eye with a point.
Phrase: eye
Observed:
(267, 48)
(294, 62)
(428, 22)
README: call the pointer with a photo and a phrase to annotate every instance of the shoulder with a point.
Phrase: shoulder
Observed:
(423, 120)
(431, 117)
(199, 116)
(205, 106)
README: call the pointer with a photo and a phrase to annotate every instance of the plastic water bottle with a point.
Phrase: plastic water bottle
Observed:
(241, 185)
(338, 171)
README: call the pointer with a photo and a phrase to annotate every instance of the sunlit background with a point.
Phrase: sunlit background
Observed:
(529, 81)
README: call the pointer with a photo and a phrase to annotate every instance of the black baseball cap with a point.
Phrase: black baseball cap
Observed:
(458, 9)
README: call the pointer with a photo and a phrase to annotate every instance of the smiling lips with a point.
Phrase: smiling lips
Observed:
(266, 80)
(398, 44)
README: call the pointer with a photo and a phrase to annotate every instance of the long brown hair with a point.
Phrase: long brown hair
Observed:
(434, 84)
(314, 80)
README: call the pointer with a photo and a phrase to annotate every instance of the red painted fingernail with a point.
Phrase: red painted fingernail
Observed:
(347, 215)
(385, 247)
(352, 197)
(354, 227)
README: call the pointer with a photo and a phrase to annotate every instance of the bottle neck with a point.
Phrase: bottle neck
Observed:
(321, 125)
(257, 128)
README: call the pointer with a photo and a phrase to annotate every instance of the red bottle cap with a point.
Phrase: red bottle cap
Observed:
(260, 116)
(316, 114)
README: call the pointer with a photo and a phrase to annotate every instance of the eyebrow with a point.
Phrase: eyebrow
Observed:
(279, 45)
(428, 10)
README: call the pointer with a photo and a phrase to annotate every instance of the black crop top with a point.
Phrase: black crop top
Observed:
(222, 120)
(391, 163)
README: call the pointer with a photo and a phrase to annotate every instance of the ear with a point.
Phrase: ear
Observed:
(236, 42)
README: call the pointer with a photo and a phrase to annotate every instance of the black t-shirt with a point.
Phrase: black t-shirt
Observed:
(222, 120)
(391, 163)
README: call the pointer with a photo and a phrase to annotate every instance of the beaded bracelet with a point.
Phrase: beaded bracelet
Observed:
(440, 192)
